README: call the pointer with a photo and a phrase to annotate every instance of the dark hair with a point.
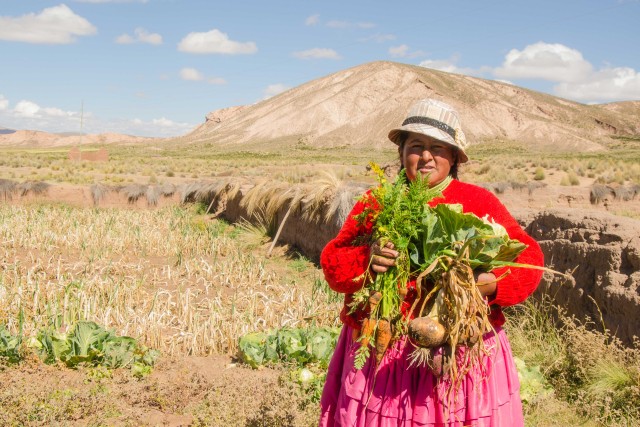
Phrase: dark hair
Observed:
(453, 172)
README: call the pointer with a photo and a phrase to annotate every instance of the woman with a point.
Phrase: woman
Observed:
(431, 143)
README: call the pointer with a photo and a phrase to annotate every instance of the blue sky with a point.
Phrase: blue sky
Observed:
(157, 67)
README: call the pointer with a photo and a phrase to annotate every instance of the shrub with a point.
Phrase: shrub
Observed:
(539, 174)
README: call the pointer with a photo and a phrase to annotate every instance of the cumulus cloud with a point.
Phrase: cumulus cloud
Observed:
(275, 89)
(214, 41)
(29, 115)
(576, 77)
(347, 24)
(608, 84)
(317, 53)
(140, 36)
(554, 62)
(192, 74)
(312, 20)
(26, 109)
(54, 25)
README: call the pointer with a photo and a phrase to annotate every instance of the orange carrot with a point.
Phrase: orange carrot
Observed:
(369, 324)
(383, 339)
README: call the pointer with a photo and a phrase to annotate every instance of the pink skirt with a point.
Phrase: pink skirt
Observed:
(408, 396)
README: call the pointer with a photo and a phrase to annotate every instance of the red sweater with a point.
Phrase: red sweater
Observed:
(342, 260)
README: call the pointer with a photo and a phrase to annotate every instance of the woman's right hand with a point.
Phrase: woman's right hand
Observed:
(382, 256)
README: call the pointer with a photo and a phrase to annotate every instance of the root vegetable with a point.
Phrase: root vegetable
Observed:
(383, 339)
(426, 332)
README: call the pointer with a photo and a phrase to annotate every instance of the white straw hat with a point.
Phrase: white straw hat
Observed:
(437, 120)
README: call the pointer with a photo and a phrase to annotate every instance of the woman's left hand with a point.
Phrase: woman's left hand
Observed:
(487, 283)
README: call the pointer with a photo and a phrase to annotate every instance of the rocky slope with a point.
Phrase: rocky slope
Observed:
(32, 138)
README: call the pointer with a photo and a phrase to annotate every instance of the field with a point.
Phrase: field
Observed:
(188, 285)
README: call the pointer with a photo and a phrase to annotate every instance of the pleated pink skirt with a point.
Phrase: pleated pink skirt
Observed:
(400, 395)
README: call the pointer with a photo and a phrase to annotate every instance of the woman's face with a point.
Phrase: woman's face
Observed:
(427, 156)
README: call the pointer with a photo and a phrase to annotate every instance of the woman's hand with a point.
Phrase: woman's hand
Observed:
(486, 283)
(382, 257)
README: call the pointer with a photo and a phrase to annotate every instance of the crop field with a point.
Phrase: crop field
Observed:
(185, 286)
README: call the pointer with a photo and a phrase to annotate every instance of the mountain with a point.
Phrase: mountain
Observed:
(358, 106)
(33, 138)
(4, 131)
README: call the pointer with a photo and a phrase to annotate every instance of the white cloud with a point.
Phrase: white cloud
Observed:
(54, 25)
(608, 84)
(275, 89)
(554, 62)
(29, 115)
(216, 81)
(214, 41)
(576, 77)
(450, 66)
(312, 20)
(140, 36)
(26, 109)
(378, 38)
(347, 24)
(194, 75)
(317, 53)
(399, 50)
(191, 74)
(111, 1)
(403, 51)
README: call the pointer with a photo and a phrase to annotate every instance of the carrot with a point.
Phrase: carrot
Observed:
(383, 339)
(369, 324)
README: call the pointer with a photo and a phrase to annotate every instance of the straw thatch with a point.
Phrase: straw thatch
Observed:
(600, 193)
(152, 194)
(34, 187)
(134, 192)
(98, 192)
(7, 188)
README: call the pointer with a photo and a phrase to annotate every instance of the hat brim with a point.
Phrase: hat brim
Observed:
(433, 132)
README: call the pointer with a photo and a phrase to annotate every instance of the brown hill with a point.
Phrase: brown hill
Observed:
(358, 106)
(32, 138)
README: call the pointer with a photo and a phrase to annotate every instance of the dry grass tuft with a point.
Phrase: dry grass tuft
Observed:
(34, 187)
(153, 195)
(600, 193)
(98, 192)
(134, 192)
(7, 188)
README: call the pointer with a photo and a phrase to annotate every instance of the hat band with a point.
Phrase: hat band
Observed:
(431, 122)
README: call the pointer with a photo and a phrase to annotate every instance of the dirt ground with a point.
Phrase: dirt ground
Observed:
(213, 391)
(185, 391)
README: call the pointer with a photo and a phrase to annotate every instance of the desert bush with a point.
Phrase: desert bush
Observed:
(539, 174)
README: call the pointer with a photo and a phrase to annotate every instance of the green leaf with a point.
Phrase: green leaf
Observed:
(86, 344)
(252, 348)
(292, 345)
(119, 351)
(322, 342)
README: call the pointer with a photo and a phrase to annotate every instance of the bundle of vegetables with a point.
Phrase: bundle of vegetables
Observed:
(395, 209)
(442, 246)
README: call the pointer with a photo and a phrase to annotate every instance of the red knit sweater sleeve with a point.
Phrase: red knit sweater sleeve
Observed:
(519, 283)
(344, 259)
